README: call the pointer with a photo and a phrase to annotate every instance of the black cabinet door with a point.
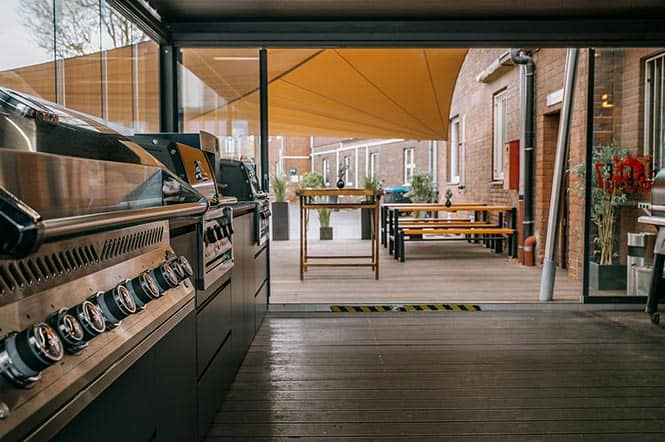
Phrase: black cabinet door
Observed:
(155, 399)
(261, 304)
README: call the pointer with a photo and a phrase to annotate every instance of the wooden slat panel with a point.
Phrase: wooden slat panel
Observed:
(461, 376)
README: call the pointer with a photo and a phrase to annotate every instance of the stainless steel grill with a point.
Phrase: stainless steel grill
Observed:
(86, 266)
(657, 219)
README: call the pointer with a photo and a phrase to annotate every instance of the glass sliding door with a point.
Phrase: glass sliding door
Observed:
(627, 139)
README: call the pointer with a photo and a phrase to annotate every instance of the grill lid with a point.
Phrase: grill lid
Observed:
(658, 195)
(64, 173)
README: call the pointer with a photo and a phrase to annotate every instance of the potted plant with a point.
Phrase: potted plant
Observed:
(325, 229)
(280, 209)
(314, 180)
(422, 188)
(618, 178)
(366, 215)
(341, 174)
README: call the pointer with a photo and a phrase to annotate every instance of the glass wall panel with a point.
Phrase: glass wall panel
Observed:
(83, 54)
(219, 93)
(26, 39)
(628, 146)
(130, 73)
(78, 55)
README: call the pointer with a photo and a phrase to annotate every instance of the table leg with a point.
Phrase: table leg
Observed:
(383, 225)
(302, 238)
(375, 239)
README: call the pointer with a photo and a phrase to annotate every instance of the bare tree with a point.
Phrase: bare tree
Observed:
(80, 26)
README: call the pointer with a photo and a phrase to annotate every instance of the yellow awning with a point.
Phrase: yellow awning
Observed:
(377, 93)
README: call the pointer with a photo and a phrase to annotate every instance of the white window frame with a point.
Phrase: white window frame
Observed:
(325, 171)
(654, 110)
(409, 164)
(347, 167)
(456, 151)
(373, 165)
(499, 131)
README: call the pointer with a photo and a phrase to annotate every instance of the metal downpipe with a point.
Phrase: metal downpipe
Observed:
(528, 137)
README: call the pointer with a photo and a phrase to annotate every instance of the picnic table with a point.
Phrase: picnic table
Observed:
(397, 229)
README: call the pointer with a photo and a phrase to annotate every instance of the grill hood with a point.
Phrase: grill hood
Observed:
(64, 173)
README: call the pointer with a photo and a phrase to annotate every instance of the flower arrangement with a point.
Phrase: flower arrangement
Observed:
(619, 177)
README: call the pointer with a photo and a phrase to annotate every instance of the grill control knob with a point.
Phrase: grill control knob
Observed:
(116, 304)
(90, 317)
(144, 289)
(186, 266)
(211, 236)
(182, 268)
(219, 232)
(69, 329)
(165, 277)
(25, 354)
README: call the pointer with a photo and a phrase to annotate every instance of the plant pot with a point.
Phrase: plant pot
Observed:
(340, 184)
(325, 233)
(607, 276)
(280, 221)
(366, 218)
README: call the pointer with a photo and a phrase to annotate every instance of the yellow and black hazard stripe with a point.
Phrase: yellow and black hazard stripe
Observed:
(405, 308)
(361, 308)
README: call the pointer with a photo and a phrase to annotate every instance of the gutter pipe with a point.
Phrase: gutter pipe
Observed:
(528, 136)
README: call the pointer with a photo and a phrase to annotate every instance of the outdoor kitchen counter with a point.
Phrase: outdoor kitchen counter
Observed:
(242, 208)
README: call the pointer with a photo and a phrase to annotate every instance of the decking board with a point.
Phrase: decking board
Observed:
(487, 376)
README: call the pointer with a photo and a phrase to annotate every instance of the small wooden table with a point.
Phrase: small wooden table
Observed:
(321, 199)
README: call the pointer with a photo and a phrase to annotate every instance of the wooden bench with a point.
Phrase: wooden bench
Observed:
(494, 234)
(388, 212)
(432, 223)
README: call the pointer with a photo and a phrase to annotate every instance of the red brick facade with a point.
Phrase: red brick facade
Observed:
(389, 158)
(619, 80)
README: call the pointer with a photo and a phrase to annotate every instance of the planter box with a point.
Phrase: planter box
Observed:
(366, 216)
(280, 221)
(607, 277)
(325, 233)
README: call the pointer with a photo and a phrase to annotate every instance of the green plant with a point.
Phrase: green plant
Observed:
(314, 180)
(370, 183)
(279, 187)
(341, 172)
(619, 177)
(324, 217)
(422, 188)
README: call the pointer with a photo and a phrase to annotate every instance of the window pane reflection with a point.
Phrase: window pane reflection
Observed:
(26, 38)
(93, 59)
(220, 94)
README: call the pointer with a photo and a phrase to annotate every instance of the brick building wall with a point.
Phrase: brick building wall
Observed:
(473, 101)
(619, 82)
(389, 158)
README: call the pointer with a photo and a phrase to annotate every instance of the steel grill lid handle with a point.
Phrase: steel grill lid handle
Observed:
(21, 226)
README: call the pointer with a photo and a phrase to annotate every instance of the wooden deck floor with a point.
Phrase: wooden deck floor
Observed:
(485, 376)
(434, 272)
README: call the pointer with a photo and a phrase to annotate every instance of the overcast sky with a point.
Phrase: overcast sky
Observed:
(16, 43)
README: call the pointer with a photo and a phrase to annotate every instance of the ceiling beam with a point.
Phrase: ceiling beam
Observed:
(462, 33)
(147, 20)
